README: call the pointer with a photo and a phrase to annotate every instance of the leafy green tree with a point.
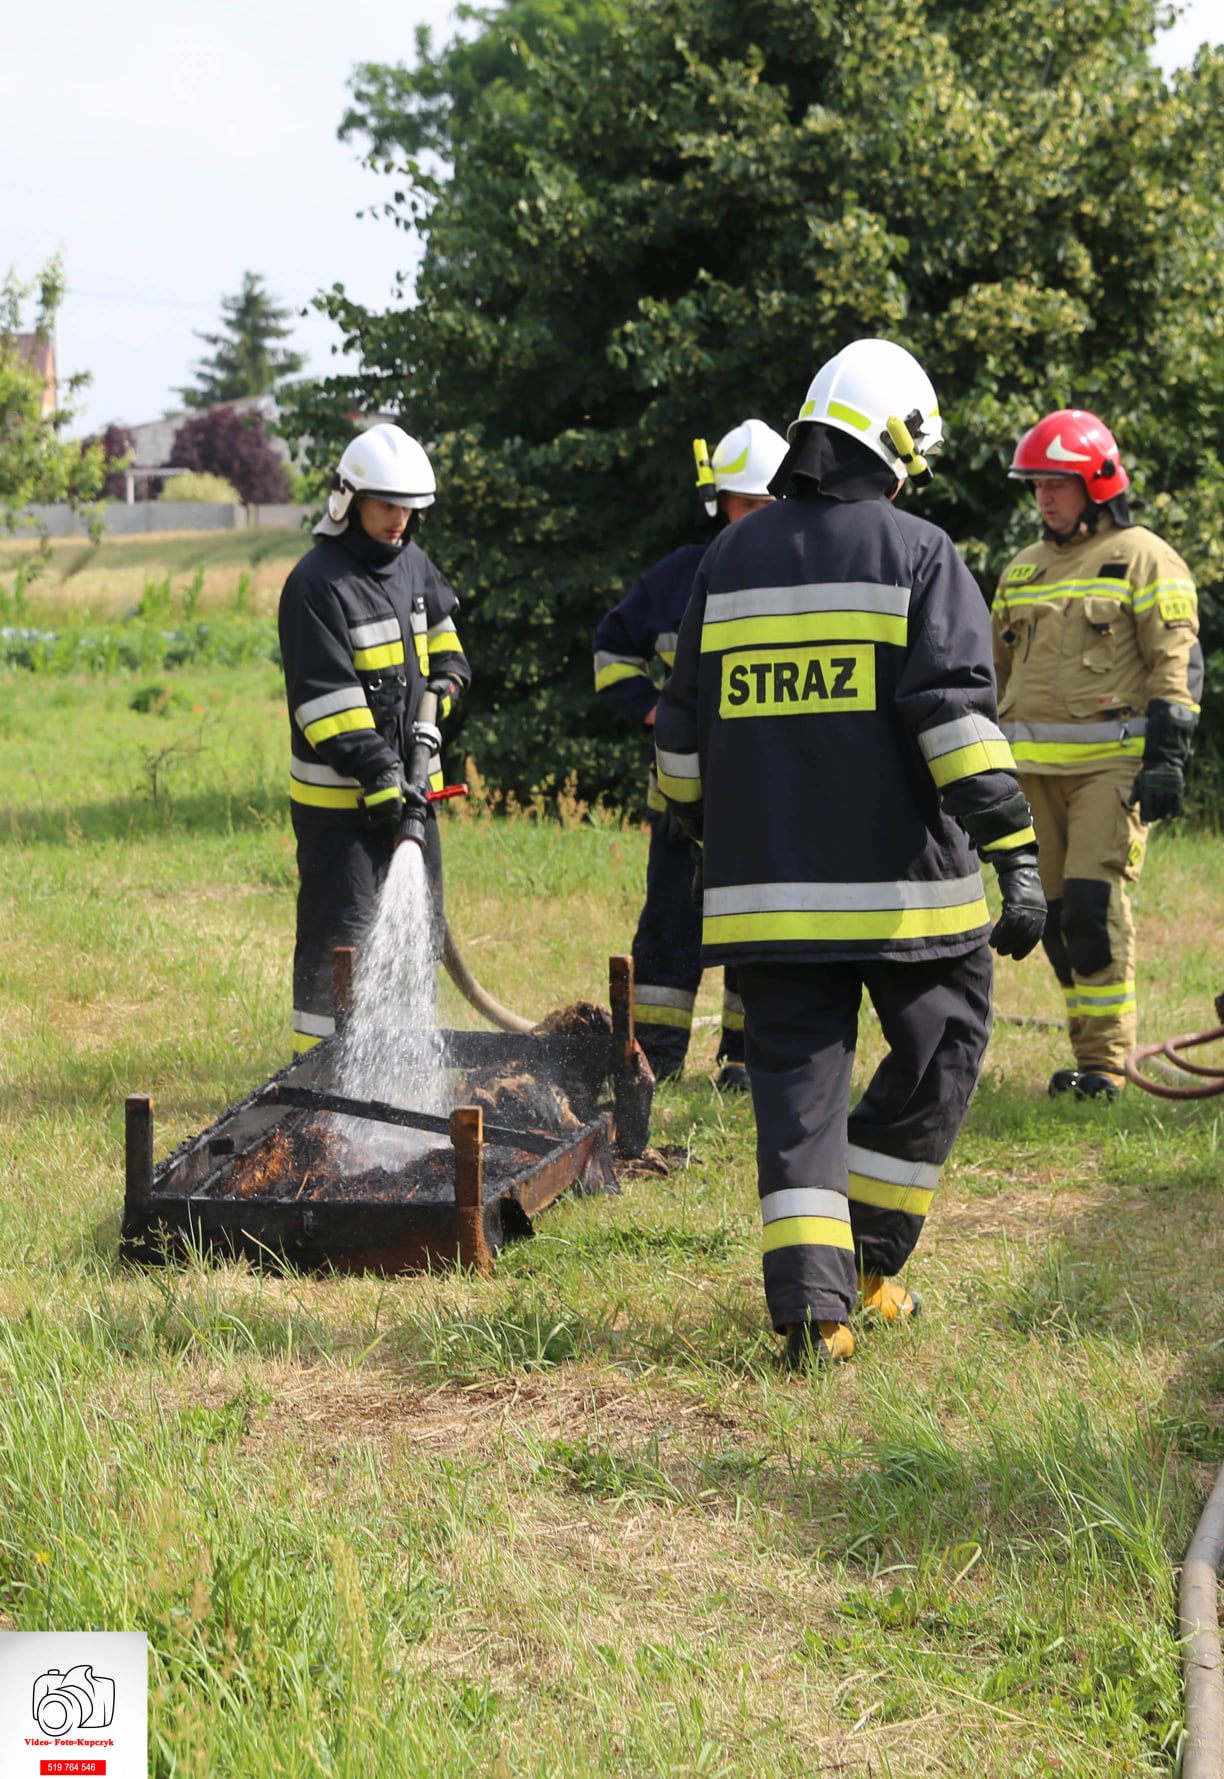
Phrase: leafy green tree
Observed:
(246, 359)
(37, 465)
(667, 220)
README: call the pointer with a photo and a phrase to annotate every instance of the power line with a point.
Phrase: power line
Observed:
(111, 296)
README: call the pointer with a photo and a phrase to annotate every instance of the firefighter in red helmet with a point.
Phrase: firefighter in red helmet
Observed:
(1100, 671)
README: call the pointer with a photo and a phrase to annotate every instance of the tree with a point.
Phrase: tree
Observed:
(37, 465)
(651, 235)
(236, 447)
(245, 358)
(118, 450)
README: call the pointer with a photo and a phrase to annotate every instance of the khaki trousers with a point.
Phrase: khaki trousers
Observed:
(1092, 846)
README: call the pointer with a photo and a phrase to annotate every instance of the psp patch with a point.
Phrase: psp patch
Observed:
(1176, 608)
(798, 682)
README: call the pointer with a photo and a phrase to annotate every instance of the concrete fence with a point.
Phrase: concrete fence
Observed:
(121, 520)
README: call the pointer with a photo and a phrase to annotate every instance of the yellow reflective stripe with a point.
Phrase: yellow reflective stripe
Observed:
(436, 781)
(1105, 1000)
(323, 796)
(797, 627)
(1009, 842)
(916, 1200)
(361, 717)
(388, 794)
(806, 1232)
(1023, 593)
(1055, 753)
(732, 1022)
(422, 651)
(680, 790)
(667, 656)
(304, 1041)
(444, 708)
(815, 925)
(654, 798)
(390, 654)
(609, 676)
(851, 416)
(963, 762)
(647, 1013)
(732, 469)
(1146, 597)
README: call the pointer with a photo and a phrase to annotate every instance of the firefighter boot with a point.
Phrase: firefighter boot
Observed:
(816, 1345)
(885, 1298)
(1099, 1084)
(1063, 1081)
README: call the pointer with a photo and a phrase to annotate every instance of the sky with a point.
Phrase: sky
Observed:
(165, 150)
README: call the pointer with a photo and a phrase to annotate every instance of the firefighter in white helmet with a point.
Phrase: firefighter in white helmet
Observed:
(667, 946)
(367, 624)
(1096, 647)
(829, 729)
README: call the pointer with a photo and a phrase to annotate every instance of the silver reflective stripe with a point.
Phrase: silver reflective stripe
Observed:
(349, 698)
(826, 596)
(945, 738)
(732, 1002)
(369, 636)
(663, 997)
(307, 772)
(678, 765)
(897, 1173)
(313, 1025)
(1118, 730)
(665, 642)
(604, 659)
(445, 627)
(841, 898)
(804, 1201)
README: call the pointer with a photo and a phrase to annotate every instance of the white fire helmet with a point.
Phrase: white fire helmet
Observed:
(745, 461)
(877, 392)
(383, 461)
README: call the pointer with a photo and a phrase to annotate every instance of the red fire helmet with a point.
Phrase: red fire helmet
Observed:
(1072, 442)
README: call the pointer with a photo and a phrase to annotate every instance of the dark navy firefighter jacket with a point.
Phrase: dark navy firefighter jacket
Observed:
(831, 711)
(359, 641)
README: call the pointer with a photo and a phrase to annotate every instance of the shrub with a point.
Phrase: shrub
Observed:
(236, 446)
(199, 485)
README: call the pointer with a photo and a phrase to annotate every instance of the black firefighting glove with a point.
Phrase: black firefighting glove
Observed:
(1160, 783)
(381, 801)
(443, 687)
(669, 826)
(1023, 919)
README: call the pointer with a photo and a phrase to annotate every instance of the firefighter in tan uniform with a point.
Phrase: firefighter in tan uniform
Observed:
(1099, 667)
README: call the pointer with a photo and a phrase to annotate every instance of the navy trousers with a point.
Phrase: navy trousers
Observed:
(844, 1191)
(667, 962)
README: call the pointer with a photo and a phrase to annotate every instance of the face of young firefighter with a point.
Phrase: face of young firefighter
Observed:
(382, 519)
(1061, 501)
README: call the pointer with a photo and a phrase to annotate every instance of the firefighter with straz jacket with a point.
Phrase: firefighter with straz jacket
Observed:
(830, 731)
(667, 944)
(1100, 670)
(367, 625)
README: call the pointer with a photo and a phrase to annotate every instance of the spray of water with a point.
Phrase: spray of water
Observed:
(391, 1049)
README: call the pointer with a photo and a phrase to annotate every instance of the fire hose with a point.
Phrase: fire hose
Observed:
(426, 740)
(1198, 1608)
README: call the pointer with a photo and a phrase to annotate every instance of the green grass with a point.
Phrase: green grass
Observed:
(570, 1519)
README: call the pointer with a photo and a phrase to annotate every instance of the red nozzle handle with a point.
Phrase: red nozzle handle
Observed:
(448, 790)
